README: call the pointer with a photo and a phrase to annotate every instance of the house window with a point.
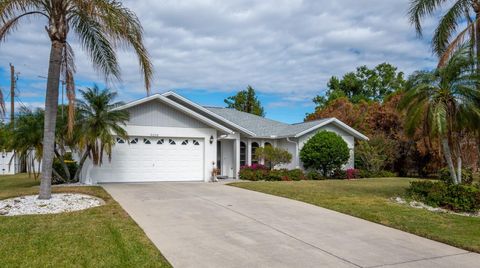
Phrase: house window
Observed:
(243, 154)
(196, 143)
(172, 142)
(185, 142)
(119, 140)
(160, 141)
(134, 141)
(147, 141)
(254, 148)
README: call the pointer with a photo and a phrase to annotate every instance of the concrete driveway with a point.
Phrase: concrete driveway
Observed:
(214, 225)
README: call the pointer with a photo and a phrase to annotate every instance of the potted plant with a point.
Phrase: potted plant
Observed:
(215, 173)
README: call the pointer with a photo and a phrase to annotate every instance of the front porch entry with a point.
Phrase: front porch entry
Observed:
(234, 152)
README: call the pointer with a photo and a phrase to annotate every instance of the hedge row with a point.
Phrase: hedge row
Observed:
(462, 198)
(258, 172)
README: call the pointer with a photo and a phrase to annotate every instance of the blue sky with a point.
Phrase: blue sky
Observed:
(207, 50)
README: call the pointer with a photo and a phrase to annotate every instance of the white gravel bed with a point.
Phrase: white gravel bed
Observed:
(420, 205)
(59, 203)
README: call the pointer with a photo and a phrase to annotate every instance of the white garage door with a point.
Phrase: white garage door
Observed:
(153, 159)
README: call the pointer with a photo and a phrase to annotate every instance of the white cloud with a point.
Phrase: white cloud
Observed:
(287, 47)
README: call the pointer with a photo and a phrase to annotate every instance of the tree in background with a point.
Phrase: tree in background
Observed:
(100, 26)
(326, 152)
(444, 102)
(363, 85)
(246, 101)
(375, 155)
(416, 155)
(273, 155)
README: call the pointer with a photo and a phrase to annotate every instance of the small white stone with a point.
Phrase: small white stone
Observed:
(28, 205)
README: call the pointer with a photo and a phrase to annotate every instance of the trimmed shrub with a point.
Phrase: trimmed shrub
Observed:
(254, 172)
(296, 175)
(429, 192)
(261, 173)
(467, 176)
(381, 174)
(339, 174)
(277, 175)
(314, 175)
(462, 198)
(326, 152)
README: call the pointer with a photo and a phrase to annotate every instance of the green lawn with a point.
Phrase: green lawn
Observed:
(370, 199)
(99, 237)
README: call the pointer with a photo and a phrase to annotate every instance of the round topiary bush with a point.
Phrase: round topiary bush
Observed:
(326, 152)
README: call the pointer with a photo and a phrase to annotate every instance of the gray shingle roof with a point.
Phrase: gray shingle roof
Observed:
(263, 127)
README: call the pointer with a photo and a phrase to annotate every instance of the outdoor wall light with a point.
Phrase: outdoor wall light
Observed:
(211, 139)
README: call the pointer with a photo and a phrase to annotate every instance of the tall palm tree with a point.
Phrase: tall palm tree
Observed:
(100, 25)
(447, 37)
(99, 124)
(444, 102)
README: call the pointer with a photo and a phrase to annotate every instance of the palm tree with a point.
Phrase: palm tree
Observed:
(444, 102)
(26, 138)
(447, 38)
(100, 25)
(100, 123)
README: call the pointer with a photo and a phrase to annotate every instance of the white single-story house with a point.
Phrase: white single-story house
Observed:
(174, 139)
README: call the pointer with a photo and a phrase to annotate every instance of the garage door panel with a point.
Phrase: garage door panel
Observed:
(154, 162)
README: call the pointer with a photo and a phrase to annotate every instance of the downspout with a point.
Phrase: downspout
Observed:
(297, 156)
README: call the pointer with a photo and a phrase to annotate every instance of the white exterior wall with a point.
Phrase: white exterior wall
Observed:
(291, 147)
(9, 165)
(349, 139)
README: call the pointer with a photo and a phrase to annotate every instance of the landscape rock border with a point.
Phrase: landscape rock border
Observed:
(420, 205)
(59, 203)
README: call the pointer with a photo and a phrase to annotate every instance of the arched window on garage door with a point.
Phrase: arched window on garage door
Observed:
(254, 148)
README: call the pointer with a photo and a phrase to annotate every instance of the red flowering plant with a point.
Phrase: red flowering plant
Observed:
(352, 173)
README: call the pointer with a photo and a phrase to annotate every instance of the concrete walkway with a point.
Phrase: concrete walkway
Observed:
(213, 225)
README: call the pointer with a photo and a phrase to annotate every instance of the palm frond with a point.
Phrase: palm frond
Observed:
(447, 26)
(11, 8)
(96, 44)
(10, 25)
(455, 44)
(420, 9)
(124, 29)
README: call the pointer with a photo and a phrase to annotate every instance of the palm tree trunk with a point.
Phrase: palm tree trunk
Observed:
(80, 165)
(477, 41)
(68, 177)
(448, 157)
(459, 169)
(51, 105)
